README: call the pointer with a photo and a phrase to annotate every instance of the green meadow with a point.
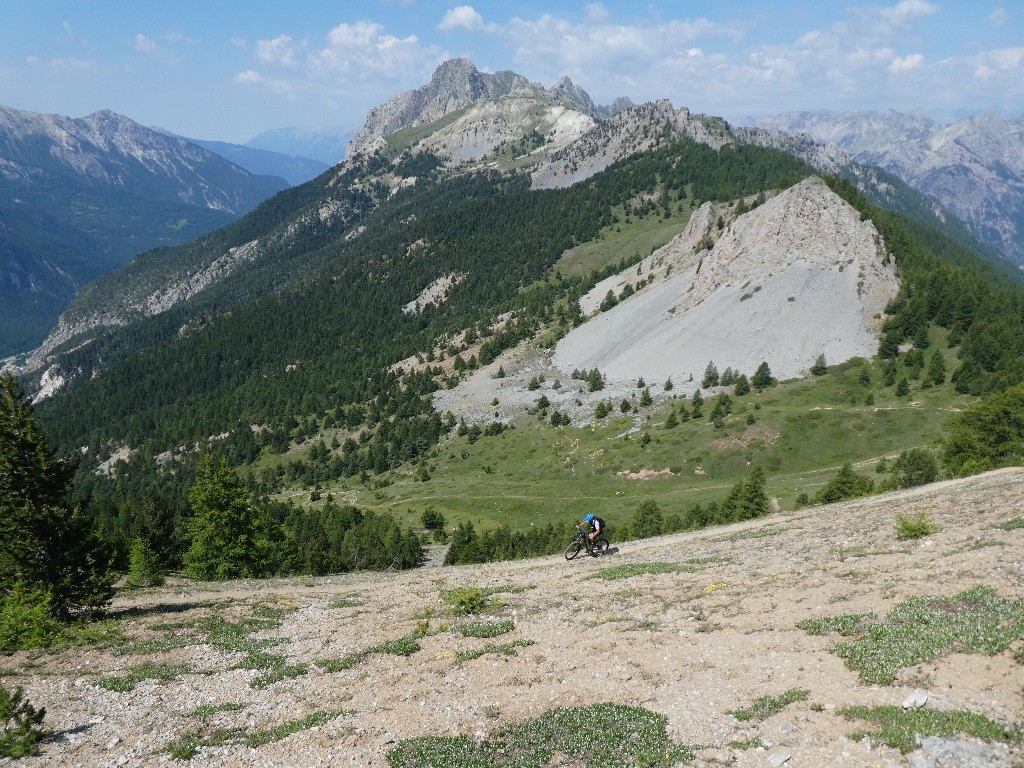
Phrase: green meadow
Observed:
(800, 432)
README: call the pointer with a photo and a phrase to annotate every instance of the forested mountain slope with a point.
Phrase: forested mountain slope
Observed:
(79, 197)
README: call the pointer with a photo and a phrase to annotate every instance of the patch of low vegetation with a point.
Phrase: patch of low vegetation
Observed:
(766, 706)
(1011, 525)
(467, 601)
(485, 628)
(186, 746)
(924, 628)
(135, 675)
(590, 737)
(153, 645)
(21, 724)
(212, 709)
(505, 649)
(402, 646)
(901, 728)
(914, 526)
(627, 570)
(349, 601)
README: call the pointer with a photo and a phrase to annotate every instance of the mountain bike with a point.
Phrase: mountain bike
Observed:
(598, 547)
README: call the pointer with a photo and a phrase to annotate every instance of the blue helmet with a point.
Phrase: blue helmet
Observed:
(588, 518)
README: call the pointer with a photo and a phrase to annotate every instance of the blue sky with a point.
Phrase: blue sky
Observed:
(228, 70)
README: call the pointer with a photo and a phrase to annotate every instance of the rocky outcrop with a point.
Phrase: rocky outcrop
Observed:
(637, 129)
(973, 167)
(799, 276)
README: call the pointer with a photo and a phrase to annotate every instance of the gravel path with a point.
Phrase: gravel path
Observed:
(691, 644)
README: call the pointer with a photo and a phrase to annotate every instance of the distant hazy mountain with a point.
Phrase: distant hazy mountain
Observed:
(974, 167)
(79, 197)
(325, 144)
(292, 168)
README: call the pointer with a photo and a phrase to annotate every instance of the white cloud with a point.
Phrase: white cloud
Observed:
(357, 66)
(906, 12)
(145, 44)
(906, 63)
(465, 17)
(998, 17)
(279, 51)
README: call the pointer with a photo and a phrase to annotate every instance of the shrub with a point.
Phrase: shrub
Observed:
(846, 484)
(914, 467)
(916, 527)
(464, 601)
(22, 724)
(26, 619)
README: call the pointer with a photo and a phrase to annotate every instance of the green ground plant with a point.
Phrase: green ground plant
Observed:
(186, 746)
(485, 628)
(597, 736)
(628, 570)
(766, 706)
(402, 646)
(924, 628)
(505, 649)
(135, 675)
(900, 728)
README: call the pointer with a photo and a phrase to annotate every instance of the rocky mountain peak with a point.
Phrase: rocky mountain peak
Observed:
(454, 84)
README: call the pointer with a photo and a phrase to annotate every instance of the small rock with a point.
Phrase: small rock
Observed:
(917, 699)
(779, 758)
(787, 728)
(113, 742)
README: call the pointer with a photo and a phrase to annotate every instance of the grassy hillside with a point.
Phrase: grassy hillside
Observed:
(801, 432)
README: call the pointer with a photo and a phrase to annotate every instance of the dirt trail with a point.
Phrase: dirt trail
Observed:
(691, 644)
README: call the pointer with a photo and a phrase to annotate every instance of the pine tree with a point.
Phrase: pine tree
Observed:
(227, 538)
(710, 377)
(819, 368)
(698, 404)
(936, 373)
(742, 386)
(43, 544)
(762, 377)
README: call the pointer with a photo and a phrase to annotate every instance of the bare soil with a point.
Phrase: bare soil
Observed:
(692, 644)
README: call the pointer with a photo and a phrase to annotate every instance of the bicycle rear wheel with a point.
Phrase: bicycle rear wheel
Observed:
(599, 547)
(573, 549)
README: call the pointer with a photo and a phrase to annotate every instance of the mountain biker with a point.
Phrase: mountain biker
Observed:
(596, 527)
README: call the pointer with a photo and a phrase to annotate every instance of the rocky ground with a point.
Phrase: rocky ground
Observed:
(692, 644)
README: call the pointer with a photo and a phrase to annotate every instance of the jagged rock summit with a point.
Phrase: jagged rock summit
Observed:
(455, 84)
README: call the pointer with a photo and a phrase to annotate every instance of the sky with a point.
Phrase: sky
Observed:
(228, 70)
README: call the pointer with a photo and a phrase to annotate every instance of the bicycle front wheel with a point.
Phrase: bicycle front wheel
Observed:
(573, 549)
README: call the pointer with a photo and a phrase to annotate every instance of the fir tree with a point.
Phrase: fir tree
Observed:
(227, 538)
(819, 368)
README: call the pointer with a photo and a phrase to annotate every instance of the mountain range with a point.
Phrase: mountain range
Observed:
(80, 197)
(472, 215)
(973, 167)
